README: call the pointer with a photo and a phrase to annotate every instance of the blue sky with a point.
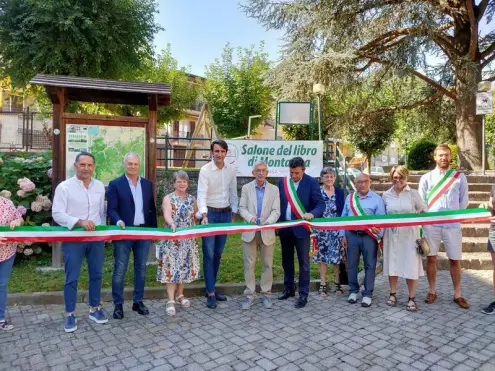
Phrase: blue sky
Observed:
(197, 31)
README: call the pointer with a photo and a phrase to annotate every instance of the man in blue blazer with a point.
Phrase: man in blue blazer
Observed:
(308, 192)
(131, 202)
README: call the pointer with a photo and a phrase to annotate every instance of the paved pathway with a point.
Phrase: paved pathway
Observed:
(328, 334)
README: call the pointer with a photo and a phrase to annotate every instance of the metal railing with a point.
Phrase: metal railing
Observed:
(171, 156)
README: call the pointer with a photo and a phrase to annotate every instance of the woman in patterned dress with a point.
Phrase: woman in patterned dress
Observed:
(178, 259)
(10, 216)
(329, 251)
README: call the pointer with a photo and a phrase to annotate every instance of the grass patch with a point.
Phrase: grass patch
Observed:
(25, 278)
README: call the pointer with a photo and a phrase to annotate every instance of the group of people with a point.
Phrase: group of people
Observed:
(80, 201)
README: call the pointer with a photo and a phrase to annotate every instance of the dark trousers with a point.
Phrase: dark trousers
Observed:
(121, 252)
(213, 248)
(289, 241)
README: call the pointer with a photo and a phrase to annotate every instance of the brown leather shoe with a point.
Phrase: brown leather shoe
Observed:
(460, 301)
(430, 298)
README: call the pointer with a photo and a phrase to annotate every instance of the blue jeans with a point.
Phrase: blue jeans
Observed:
(121, 252)
(213, 248)
(5, 269)
(74, 253)
(357, 245)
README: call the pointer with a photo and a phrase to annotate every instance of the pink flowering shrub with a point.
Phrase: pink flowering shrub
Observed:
(24, 179)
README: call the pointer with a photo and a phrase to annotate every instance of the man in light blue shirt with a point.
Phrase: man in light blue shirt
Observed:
(455, 197)
(360, 242)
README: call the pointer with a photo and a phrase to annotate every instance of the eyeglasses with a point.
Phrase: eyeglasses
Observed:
(361, 181)
(260, 171)
(398, 178)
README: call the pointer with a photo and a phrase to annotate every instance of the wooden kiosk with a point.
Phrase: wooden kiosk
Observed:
(63, 89)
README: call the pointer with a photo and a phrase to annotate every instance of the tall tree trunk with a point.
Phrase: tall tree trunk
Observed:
(467, 75)
(368, 161)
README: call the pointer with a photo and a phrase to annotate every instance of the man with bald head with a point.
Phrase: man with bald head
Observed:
(131, 202)
(365, 242)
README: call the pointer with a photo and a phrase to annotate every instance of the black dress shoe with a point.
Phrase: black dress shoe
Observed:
(219, 296)
(287, 294)
(140, 308)
(118, 312)
(301, 302)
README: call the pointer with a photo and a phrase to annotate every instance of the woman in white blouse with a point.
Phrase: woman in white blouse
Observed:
(400, 258)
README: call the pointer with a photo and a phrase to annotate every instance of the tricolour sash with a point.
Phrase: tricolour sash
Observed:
(357, 210)
(298, 209)
(442, 186)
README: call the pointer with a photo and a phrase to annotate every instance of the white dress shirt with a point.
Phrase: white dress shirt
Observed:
(288, 211)
(74, 202)
(456, 197)
(217, 187)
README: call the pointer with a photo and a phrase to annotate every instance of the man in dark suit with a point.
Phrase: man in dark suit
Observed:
(130, 202)
(308, 192)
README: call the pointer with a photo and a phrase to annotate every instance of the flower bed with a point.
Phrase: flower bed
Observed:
(25, 179)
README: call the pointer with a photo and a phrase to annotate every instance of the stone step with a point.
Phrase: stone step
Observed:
(475, 230)
(470, 260)
(473, 187)
(473, 244)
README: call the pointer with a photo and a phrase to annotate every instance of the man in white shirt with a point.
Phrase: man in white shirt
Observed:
(444, 189)
(217, 203)
(80, 201)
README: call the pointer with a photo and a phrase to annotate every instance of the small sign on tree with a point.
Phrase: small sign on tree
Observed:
(484, 102)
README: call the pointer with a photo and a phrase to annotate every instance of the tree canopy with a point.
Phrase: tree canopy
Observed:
(235, 90)
(447, 45)
(92, 38)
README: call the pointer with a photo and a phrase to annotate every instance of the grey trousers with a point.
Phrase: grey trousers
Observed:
(368, 247)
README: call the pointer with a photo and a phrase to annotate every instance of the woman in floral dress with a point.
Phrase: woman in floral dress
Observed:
(329, 251)
(10, 216)
(178, 259)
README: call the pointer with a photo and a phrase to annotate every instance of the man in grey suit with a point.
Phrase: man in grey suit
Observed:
(260, 204)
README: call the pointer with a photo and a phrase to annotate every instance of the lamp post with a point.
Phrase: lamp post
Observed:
(319, 90)
(484, 105)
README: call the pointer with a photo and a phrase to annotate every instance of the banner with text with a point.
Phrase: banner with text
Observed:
(243, 154)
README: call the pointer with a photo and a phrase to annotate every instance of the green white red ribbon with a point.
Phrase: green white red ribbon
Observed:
(109, 233)
(357, 210)
(442, 186)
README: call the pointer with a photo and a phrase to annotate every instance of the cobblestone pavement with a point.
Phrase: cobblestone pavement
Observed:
(328, 334)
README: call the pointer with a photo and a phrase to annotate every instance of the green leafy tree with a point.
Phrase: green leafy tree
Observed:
(335, 42)
(92, 38)
(235, 90)
(372, 133)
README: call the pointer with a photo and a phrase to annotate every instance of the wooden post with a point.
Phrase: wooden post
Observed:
(151, 140)
(58, 161)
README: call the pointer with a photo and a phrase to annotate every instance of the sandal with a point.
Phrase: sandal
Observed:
(338, 289)
(170, 308)
(185, 303)
(323, 290)
(412, 307)
(392, 300)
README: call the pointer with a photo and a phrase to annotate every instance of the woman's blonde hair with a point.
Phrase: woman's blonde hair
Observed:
(399, 169)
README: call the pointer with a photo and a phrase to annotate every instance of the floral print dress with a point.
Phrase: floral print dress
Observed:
(178, 261)
(8, 213)
(328, 241)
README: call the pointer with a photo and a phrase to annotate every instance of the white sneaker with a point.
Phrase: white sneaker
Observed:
(352, 298)
(366, 302)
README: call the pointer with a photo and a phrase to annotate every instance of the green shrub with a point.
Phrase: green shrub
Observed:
(454, 164)
(25, 179)
(420, 155)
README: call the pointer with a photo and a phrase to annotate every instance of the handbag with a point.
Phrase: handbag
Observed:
(343, 279)
(422, 246)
